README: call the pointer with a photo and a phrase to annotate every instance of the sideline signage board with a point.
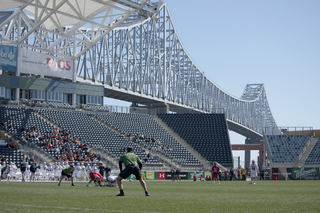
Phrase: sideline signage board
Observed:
(311, 173)
(45, 65)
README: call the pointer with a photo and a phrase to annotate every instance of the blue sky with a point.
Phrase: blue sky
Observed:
(273, 42)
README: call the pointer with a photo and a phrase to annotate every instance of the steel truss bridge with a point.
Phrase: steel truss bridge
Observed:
(132, 49)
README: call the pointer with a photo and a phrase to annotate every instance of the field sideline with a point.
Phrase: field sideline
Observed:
(165, 196)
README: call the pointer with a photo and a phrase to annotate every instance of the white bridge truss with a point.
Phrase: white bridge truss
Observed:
(132, 47)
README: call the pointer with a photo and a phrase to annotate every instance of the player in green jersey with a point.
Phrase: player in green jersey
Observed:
(131, 162)
(67, 172)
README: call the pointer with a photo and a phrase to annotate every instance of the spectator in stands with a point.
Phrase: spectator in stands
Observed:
(23, 139)
(10, 126)
(239, 174)
(23, 129)
(2, 126)
(147, 157)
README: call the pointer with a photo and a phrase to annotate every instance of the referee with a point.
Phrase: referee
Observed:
(131, 161)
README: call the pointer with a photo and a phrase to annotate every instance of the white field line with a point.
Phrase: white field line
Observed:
(71, 208)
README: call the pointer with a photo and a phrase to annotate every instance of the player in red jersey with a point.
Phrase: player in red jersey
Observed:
(215, 173)
(96, 177)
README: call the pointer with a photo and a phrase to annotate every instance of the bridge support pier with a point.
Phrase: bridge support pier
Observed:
(247, 154)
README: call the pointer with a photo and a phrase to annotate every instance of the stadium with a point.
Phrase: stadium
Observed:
(62, 61)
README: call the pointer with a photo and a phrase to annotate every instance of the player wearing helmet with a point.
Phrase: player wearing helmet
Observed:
(96, 177)
(215, 173)
(254, 172)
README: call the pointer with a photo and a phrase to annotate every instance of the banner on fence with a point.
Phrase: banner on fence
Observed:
(311, 173)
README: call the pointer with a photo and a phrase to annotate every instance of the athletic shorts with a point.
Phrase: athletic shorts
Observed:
(131, 169)
(63, 174)
(254, 174)
(215, 175)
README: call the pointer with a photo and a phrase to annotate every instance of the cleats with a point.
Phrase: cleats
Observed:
(73, 184)
(147, 193)
(121, 194)
(58, 184)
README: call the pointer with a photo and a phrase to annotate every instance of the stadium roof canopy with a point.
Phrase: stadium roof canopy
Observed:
(66, 19)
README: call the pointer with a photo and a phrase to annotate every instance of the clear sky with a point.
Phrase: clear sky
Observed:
(273, 42)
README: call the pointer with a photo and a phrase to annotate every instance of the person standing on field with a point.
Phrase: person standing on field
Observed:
(254, 172)
(173, 173)
(23, 171)
(215, 173)
(67, 172)
(178, 174)
(131, 162)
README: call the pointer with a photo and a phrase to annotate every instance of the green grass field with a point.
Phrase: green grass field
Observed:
(165, 196)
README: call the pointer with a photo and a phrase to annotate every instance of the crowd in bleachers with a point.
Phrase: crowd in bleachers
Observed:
(164, 142)
(156, 142)
(147, 134)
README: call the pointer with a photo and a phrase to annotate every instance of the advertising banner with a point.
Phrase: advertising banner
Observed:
(184, 175)
(311, 173)
(41, 64)
(191, 174)
(161, 175)
(150, 176)
(8, 58)
(207, 174)
(168, 176)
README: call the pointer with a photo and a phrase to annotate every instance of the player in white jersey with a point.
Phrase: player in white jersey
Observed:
(43, 169)
(13, 170)
(50, 172)
(94, 168)
(55, 171)
(88, 170)
(6, 174)
(112, 181)
(14, 173)
(1, 167)
(28, 173)
(254, 172)
(77, 171)
(82, 170)
(63, 165)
